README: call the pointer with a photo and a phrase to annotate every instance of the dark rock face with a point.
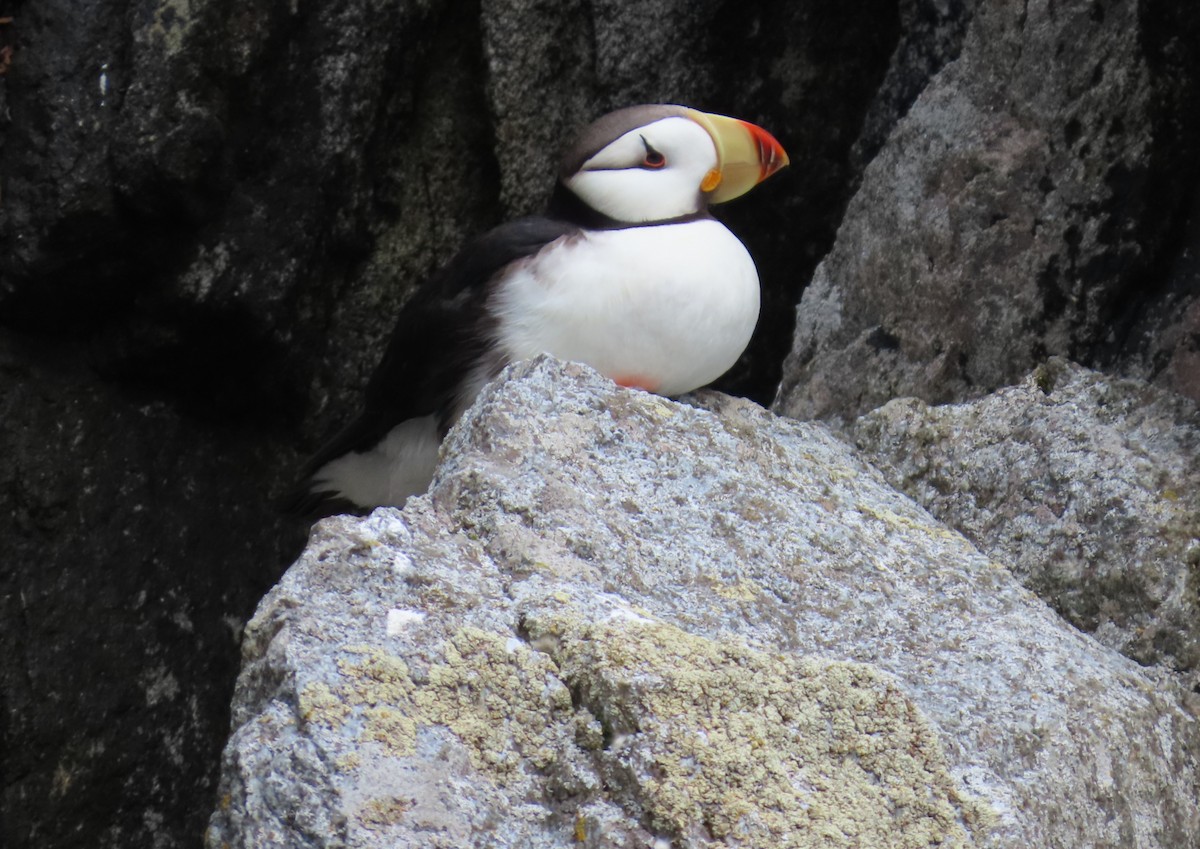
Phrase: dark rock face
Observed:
(931, 34)
(1164, 341)
(209, 214)
(186, 195)
(1030, 203)
(132, 551)
(207, 187)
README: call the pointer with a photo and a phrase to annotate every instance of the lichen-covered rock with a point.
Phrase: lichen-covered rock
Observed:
(610, 726)
(1018, 210)
(616, 620)
(1087, 486)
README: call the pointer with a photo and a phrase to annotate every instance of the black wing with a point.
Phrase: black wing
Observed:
(439, 335)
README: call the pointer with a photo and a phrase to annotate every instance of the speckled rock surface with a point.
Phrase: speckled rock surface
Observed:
(1088, 486)
(617, 620)
(1028, 204)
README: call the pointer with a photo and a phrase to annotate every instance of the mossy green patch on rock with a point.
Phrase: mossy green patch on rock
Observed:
(740, 745)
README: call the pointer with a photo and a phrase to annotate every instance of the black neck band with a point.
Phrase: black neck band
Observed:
(565, 205)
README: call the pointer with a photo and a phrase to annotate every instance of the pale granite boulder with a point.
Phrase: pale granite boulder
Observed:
(1088, 486)
(618, 620)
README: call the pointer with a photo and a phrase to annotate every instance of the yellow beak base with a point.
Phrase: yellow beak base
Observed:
(746, 155)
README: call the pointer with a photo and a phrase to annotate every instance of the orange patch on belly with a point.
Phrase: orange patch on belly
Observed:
(635, 381)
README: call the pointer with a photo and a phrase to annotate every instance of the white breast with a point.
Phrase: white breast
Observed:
(669, 308)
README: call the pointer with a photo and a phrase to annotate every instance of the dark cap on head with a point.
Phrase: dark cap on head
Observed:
(611, 127)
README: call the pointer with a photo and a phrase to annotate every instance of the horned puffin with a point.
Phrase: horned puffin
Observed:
(627, 272)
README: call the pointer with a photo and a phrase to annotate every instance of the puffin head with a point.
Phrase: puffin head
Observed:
(656, 163)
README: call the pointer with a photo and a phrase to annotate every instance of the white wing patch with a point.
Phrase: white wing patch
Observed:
(400, 465)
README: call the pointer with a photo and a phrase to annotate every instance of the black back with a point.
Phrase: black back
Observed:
(439, 336)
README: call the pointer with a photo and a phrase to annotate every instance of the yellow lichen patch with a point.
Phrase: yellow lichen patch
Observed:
(657, 408)
(764, 750)
(712, 737)
(378, 814)
(380, 686)
(895, 520)
(320, 704)
(378, 679)
(741, 591)
(501, 702)
(393, 728)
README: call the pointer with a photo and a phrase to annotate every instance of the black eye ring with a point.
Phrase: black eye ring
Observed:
(653, 159)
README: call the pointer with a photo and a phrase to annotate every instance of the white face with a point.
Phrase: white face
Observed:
(652, 173)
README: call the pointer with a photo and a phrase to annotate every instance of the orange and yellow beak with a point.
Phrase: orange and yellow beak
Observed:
(746, 155)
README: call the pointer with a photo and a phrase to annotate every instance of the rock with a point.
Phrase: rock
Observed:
(1027, 204)
(1164, 341)
(931, 35)
(618, 620)
(188, 189)
(120, 649)
(1087, 486)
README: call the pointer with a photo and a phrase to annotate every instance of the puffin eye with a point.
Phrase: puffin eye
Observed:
(653, 159)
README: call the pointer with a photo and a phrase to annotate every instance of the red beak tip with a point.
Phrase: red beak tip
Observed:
(771, 155)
